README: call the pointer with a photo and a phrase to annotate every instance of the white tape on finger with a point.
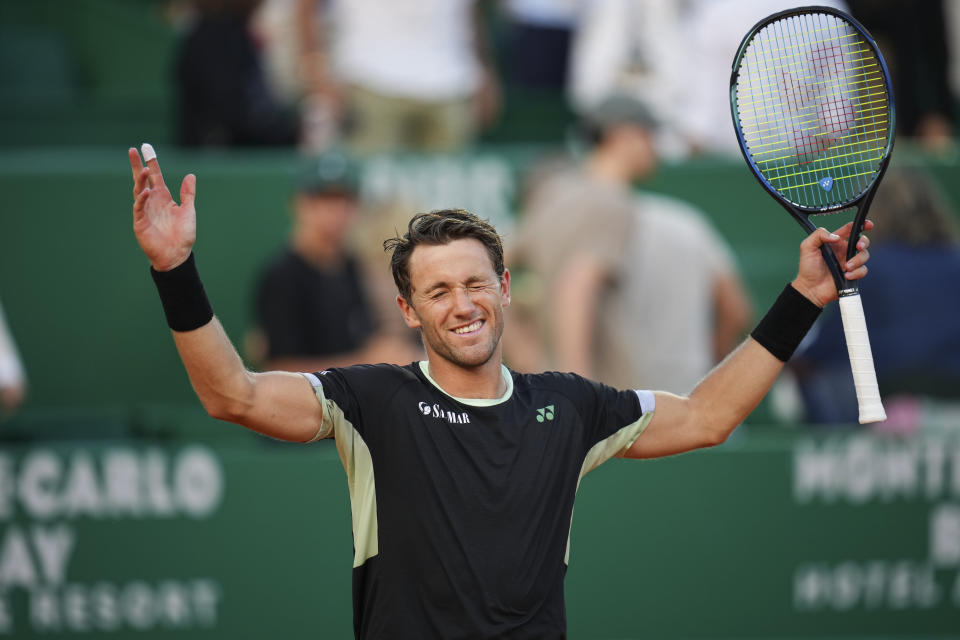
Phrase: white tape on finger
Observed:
(861, 360)
(148, 153)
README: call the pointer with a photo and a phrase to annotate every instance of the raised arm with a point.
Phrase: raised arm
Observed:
(737, 385)
(277, 404)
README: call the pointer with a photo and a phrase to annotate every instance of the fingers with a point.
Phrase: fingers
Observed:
(188, 190)
(138, 204)
(150, 157)
(845, 230)
(838, 239)
(140, 189)
(863, 243)
(139, 172)
(140, 181)
(135, 164)
(855, 268)
(853, 272)
(821, 237)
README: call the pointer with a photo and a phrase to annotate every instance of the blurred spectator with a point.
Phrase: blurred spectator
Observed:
(713, 30)
(312, 303)
(407, 74)
(643, 292)
(538, 46)
(916, 54)
(630, 47)
(673, 55)
(223, 97)
(910, 303)
(13, 382)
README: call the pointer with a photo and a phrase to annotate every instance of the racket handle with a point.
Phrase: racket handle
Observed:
(861, 359)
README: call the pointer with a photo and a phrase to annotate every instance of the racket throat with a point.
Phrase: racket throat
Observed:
(844, 286)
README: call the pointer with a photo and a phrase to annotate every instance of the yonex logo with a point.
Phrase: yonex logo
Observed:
(826, 183)
(545, 414)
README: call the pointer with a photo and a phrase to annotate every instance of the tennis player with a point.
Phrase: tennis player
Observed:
(462, 473)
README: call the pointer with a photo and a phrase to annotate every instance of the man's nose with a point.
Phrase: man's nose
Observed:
(462, 301)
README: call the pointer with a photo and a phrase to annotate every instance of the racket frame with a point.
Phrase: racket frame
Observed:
(854, 324)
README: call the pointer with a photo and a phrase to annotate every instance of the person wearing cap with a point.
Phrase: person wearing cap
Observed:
(636, 286)
(312, 304)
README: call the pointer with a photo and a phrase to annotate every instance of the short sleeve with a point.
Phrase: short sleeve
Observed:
(615, 419)
(358, 397)
(340, 403)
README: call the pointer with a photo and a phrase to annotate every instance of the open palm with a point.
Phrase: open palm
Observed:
(165, 230)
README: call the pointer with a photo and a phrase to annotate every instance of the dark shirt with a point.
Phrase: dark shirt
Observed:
(462, 508)
(305, 311)
(223, 95)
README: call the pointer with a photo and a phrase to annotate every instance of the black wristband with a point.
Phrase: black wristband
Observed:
(785, 324)
(184, 301)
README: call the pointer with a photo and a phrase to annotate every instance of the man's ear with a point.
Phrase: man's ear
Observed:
(409, 314)
(505, 287)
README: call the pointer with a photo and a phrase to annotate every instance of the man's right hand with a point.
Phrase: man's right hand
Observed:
(165, 230)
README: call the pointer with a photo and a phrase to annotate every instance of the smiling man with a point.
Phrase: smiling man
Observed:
(462, 473)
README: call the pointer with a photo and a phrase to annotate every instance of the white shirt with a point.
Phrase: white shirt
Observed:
(668, 292)
(676, 55)
(421, 49)
(715, 29)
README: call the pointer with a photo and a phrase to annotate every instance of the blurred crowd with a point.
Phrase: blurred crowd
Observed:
(430, 75)
(646, 81)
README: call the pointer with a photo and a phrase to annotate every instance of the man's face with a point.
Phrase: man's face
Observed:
(457, 301)
(324, 217)
(639, 148)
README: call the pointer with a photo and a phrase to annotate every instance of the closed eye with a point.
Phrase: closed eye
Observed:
(480, 286)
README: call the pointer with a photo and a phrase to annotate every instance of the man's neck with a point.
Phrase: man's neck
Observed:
(482, 382)
(317, 254)
(606, 166)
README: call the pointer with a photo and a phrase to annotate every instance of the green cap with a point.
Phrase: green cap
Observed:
(332, 173)
(620, 108)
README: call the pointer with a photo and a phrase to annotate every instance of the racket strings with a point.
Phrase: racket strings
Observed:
(813, 107)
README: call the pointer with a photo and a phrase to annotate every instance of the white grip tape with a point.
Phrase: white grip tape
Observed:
(861, 359)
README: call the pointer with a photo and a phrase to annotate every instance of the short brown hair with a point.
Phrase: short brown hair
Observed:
(437, 228)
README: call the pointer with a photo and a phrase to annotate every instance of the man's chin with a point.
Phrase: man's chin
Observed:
(469, 358)
(473, 361)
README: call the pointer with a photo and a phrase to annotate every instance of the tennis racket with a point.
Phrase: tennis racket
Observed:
(813, 111)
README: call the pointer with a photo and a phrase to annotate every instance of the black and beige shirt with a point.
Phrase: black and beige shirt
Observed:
(462, 507)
